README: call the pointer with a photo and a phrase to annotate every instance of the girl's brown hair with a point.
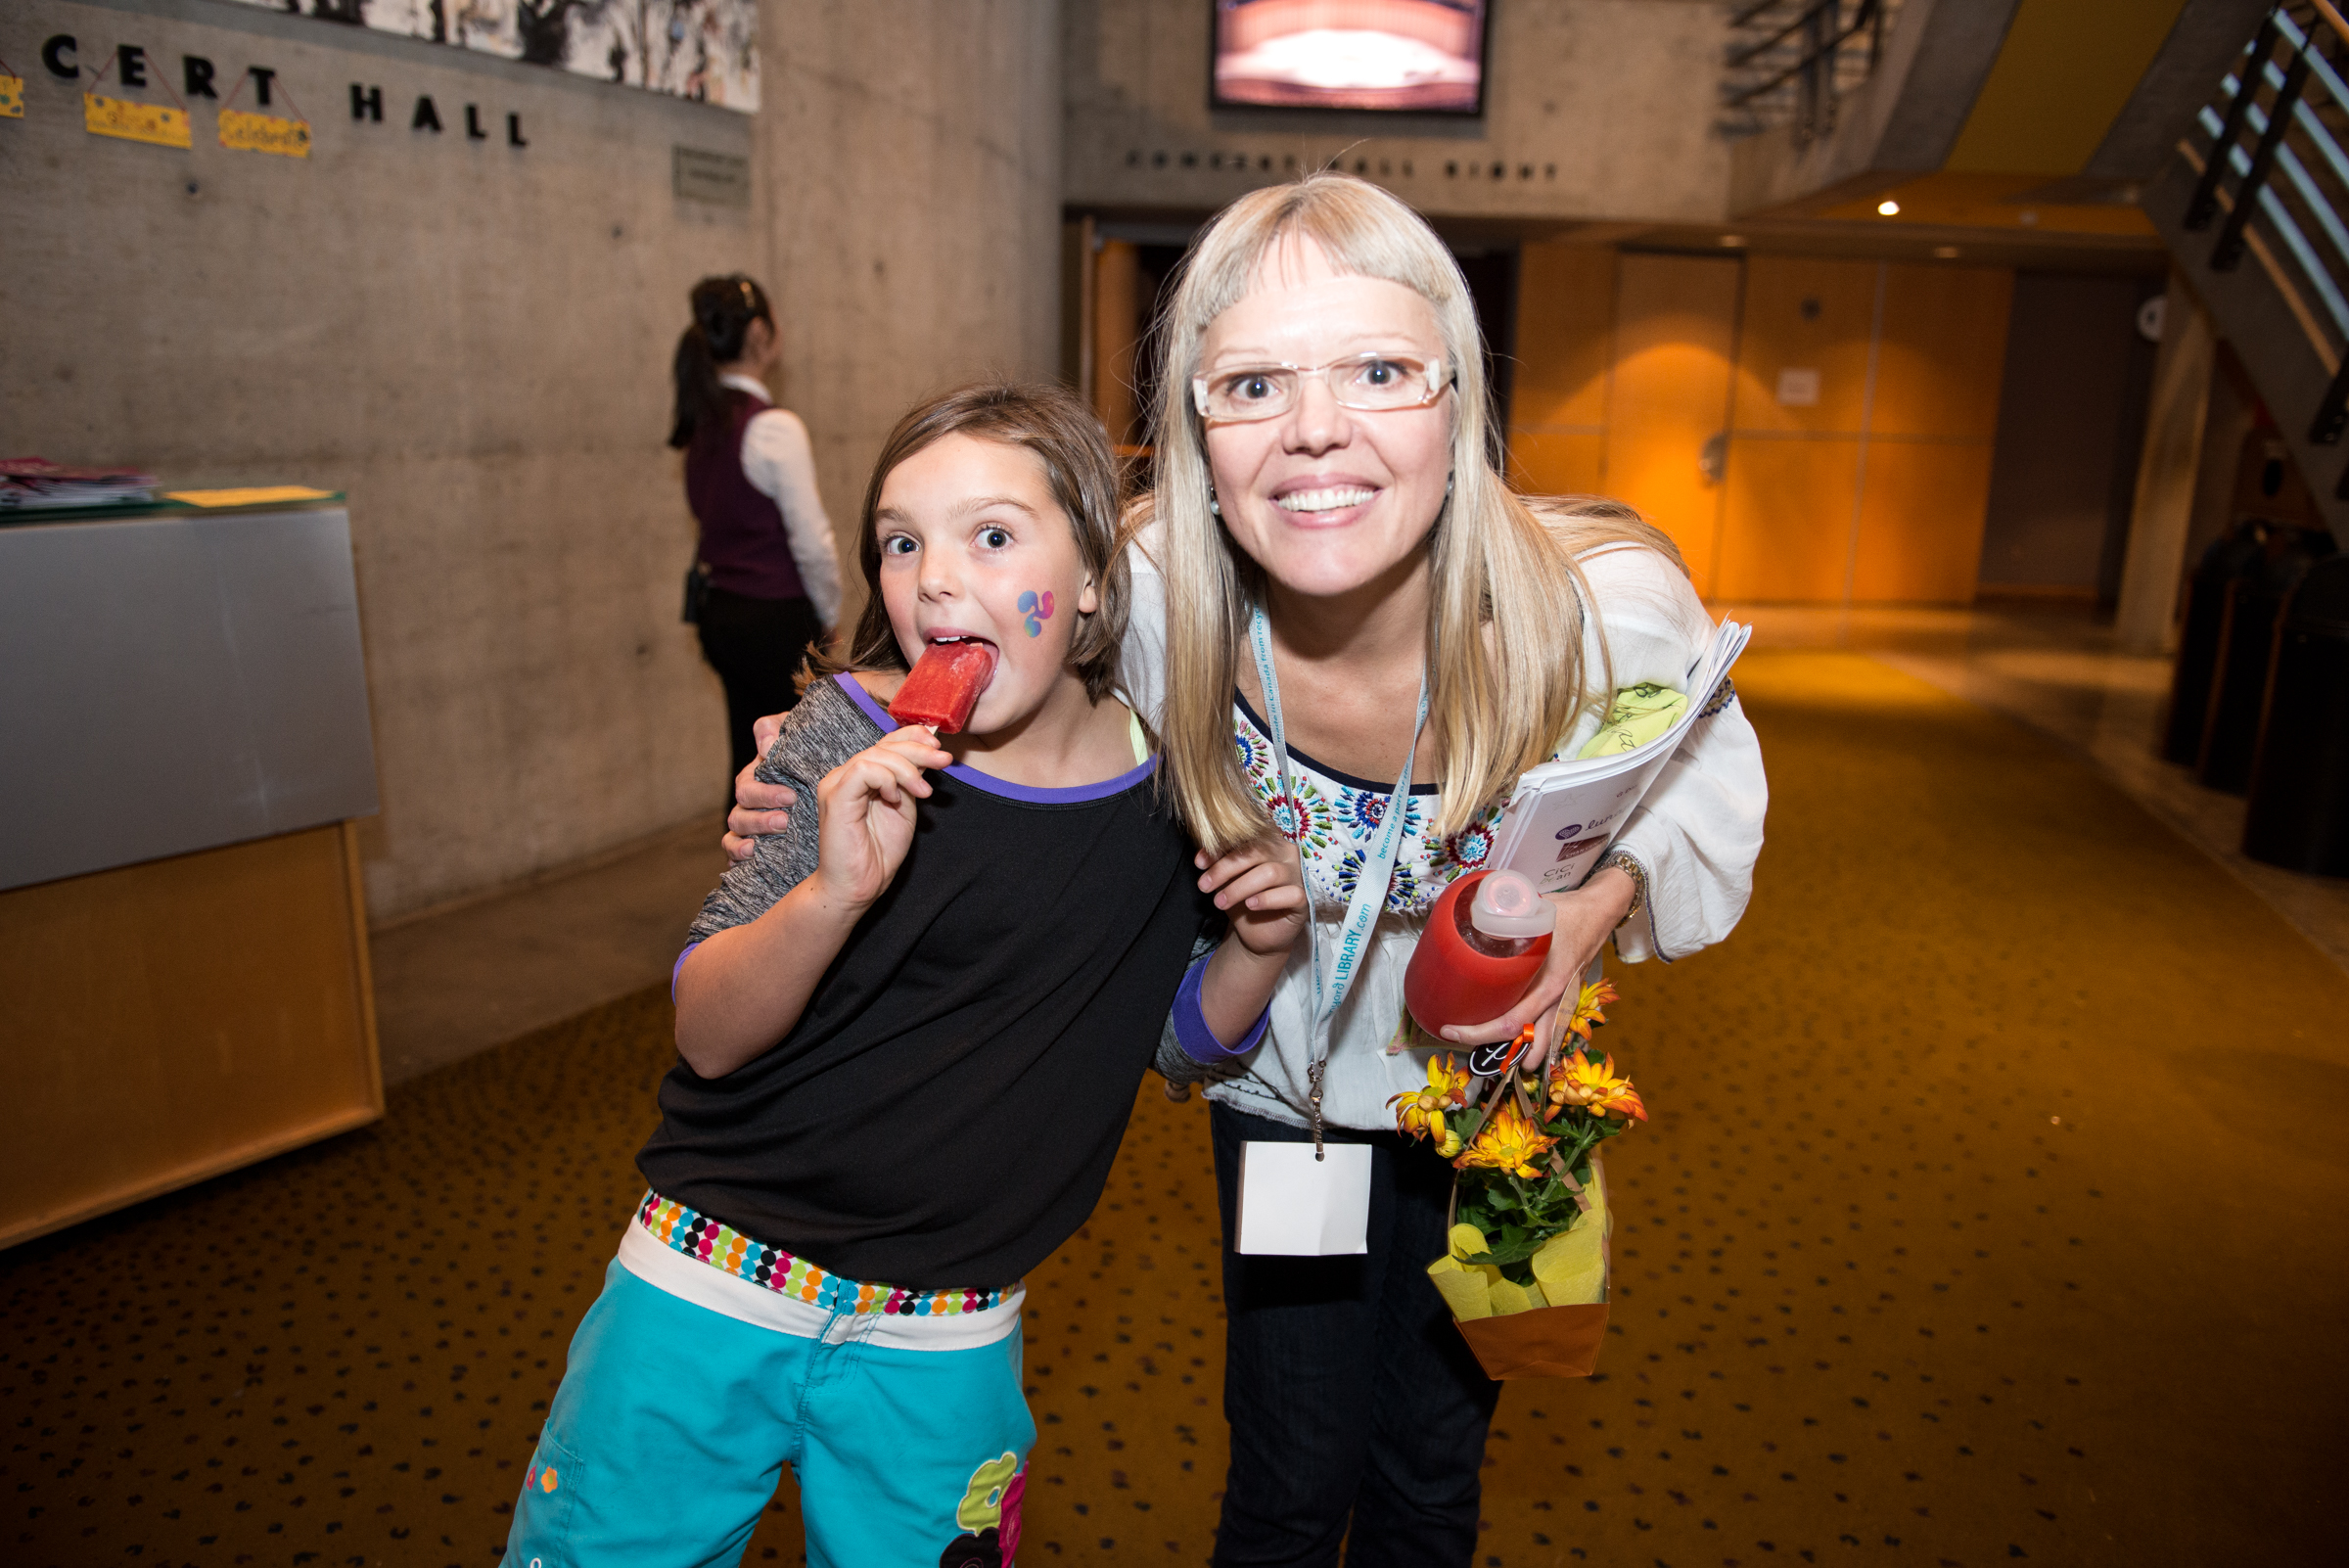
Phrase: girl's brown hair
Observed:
(1074, 449)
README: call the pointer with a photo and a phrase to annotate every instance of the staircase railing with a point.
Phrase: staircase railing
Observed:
(2273, 185)
(1789, 62)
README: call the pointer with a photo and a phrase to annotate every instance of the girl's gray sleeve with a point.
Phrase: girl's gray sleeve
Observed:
(822, 732)
(1175, 1064)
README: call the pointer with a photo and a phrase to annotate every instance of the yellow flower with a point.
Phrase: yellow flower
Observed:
(1593, 1087)
(1509, 1141)
(1586, 1008)
(1422, 1110)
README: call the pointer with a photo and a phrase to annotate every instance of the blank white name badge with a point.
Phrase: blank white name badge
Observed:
(1296, 1206)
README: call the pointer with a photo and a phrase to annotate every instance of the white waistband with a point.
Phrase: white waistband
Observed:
(665, 1269)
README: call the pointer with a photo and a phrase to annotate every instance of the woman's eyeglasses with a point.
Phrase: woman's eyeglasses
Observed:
(1373, 382)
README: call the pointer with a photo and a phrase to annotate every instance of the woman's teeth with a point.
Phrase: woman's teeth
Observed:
(1329, 500)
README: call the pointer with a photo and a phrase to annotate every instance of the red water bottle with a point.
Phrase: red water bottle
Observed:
(1486, 936)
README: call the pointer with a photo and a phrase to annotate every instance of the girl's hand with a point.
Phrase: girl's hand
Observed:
(1260, 886)
(866, 815)
(1584, 917)
(760, 808)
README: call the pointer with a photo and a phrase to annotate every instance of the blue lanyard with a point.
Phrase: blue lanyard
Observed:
(1369, 888)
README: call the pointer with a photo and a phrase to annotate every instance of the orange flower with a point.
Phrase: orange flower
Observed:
(1593, 1087)
(1509, 1141)
(1422, 1110)
(1586, 1008)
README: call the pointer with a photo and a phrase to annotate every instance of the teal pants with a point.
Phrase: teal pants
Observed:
(674, 1423)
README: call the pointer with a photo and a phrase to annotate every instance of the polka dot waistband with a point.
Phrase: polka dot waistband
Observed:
(770, 1267)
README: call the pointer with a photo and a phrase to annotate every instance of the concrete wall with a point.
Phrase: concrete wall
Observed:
(909, 169)
(473, 341)
(1594, 110)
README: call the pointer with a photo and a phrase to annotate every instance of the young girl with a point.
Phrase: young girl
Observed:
(910, 1030)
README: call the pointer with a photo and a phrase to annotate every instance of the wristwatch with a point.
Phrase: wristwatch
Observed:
(1628, 864)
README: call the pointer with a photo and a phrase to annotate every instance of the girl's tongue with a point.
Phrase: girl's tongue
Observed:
(944, 685)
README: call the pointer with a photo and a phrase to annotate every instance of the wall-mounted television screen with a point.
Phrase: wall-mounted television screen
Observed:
(1420, 57)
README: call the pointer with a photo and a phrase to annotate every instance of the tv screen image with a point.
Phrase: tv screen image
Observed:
(1419, 55)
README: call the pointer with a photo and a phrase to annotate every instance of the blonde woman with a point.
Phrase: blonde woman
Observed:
(1328, 528)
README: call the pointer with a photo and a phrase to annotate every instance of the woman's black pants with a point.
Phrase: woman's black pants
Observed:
(756, 647)
(1351, 1396)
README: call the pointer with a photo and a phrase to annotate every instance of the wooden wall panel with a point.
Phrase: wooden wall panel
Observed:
(1920, 522)
(175, 1019)
(1565, 312)
(1944, 351)
(1805, 314)
(1117, 334)
(1787, 520)
(1558, 462)
(1676, 324)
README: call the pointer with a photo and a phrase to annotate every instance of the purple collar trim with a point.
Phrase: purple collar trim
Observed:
(987, 782)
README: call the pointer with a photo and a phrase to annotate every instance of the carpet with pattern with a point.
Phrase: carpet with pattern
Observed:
(1990, 1212)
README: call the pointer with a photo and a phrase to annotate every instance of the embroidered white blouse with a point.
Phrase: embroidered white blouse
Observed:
(1697, 833)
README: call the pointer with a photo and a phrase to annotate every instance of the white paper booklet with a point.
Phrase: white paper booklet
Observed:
(1565, 814)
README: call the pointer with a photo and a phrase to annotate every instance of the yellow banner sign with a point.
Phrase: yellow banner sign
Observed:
(264, 133)
(252, 495)
(134, 121)
(11, 98)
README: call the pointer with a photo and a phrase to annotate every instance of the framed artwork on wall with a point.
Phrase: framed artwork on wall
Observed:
(706, 50)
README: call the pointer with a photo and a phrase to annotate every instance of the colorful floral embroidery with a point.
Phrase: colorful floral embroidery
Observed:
(1362, 810)
(1469, 849)
(1304, 817)
(1255, 755)
(1336, 825)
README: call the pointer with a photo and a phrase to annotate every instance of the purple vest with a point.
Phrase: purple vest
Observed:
(743, 542)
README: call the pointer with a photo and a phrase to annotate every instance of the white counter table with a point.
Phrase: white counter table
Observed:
(184, 742)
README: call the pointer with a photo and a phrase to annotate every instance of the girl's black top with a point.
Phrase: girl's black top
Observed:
(945, 1111)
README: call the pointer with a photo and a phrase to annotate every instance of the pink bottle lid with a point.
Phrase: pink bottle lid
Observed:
(1507, 907)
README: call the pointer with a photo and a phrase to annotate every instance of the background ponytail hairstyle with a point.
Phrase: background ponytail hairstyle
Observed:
(723, 309)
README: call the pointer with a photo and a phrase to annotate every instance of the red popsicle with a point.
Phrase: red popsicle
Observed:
(944, 685)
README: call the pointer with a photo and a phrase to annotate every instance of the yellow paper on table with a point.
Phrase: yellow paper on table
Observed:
(246, 132)
(136, 122)
(11, 98)
(1639, 714)
(252, 495)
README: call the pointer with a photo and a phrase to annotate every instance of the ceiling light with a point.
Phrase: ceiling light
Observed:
(1889, 208)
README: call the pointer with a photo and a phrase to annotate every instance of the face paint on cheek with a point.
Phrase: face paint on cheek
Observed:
(1038, 607)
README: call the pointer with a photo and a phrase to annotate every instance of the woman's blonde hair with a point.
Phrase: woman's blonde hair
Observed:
(1505, 616)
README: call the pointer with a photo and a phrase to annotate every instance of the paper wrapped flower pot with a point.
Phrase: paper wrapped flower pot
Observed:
(1552, 1328)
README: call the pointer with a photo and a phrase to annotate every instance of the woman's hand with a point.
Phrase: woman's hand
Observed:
(1261, 888)
(866, 815)
(1584, 917)
(759, 808)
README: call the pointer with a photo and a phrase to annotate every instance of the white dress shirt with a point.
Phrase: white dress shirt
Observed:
(780, 464)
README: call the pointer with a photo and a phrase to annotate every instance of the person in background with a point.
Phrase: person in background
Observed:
(765, 580)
